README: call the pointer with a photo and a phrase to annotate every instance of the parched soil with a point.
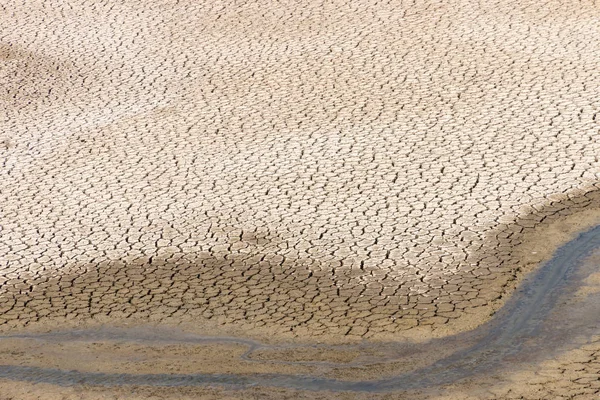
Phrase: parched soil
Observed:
(308, 172)
(554, 311)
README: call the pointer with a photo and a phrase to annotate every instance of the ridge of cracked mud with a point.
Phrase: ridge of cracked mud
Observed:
(519, 331)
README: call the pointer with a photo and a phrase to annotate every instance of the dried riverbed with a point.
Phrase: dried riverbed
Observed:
(554, 310)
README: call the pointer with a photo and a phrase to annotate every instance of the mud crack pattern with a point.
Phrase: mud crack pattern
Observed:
(313, 168)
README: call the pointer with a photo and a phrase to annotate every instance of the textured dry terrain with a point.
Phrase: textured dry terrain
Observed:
(573, 376)
(320, 170)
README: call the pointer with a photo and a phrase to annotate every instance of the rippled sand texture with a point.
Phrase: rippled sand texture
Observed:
(321, 169)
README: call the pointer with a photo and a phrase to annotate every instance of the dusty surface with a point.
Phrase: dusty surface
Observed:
(319, 171)
(147, 349)
(529, 374)
(309, 169)
(575, 375)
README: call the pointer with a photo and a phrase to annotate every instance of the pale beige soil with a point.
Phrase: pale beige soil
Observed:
(300, 172)
(303, 170)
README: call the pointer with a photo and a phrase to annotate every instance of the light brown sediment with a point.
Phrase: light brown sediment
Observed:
(518, 247)
(514, 250)
(573, 375)
(353, 162)
(126, 355)
(333, 172)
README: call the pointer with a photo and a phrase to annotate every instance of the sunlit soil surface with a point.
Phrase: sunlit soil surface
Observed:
(289, 171)
(554, 311)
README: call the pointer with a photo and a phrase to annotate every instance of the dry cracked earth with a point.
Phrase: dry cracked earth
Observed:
(312, 171)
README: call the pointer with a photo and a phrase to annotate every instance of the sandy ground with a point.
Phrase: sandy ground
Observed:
(572, 376)
(306, 171)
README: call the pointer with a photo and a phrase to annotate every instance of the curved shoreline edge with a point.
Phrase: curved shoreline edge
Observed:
(521, 319)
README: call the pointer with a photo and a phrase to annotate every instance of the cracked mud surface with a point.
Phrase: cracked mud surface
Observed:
(311, 170)
(317, 171)
(543, 320)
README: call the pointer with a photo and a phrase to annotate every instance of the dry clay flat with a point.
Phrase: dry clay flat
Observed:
(338, 173)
